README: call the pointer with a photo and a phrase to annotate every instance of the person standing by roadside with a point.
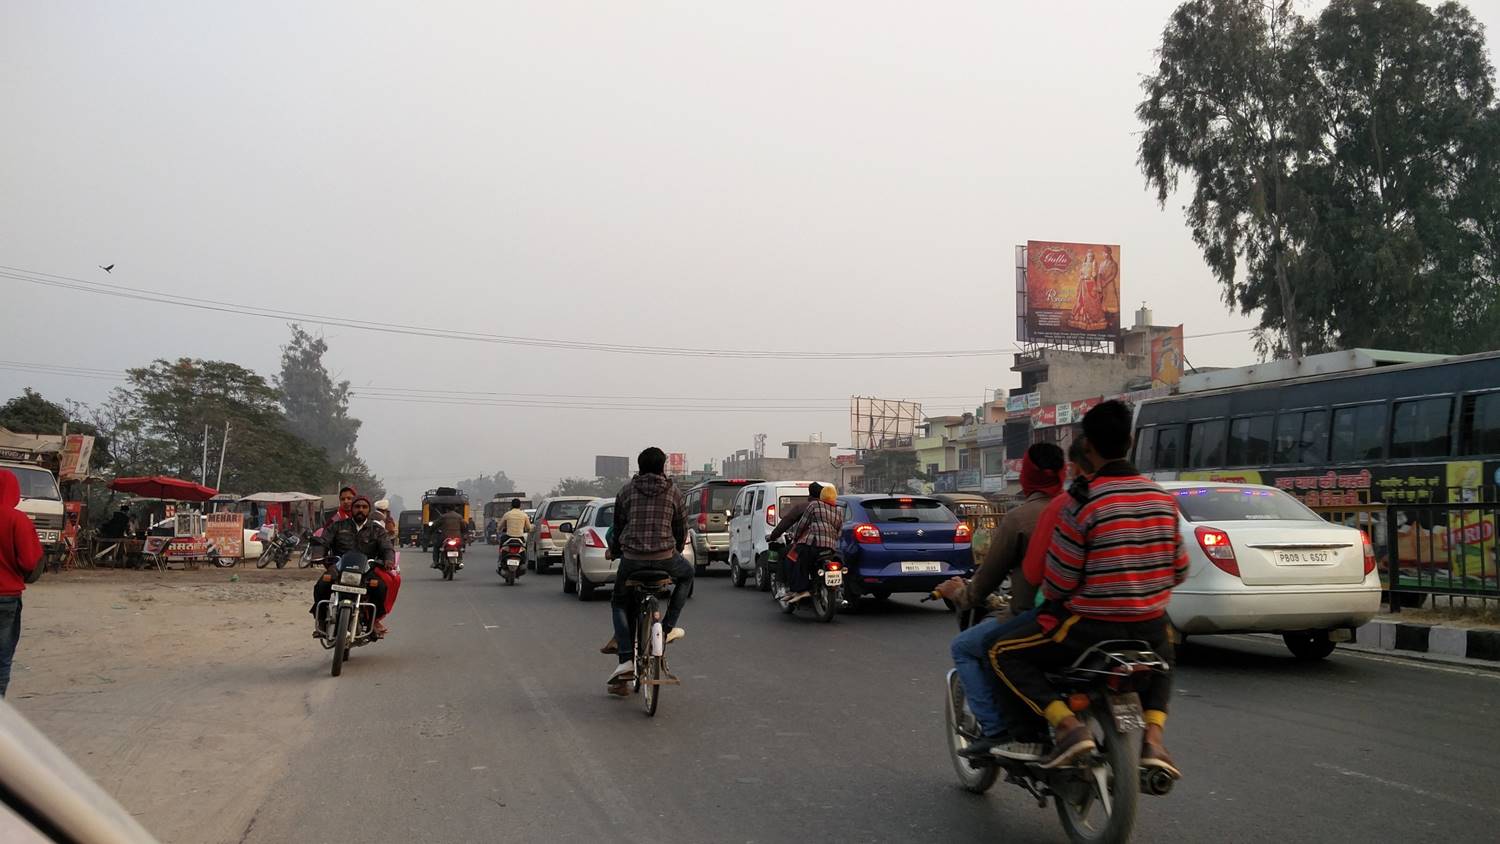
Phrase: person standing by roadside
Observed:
(20, 552)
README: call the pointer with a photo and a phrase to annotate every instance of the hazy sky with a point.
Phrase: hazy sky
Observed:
(768, 175)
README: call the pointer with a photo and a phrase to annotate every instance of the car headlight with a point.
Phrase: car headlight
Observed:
(351, 578)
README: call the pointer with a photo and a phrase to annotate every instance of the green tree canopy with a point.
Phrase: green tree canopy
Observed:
(30, 413)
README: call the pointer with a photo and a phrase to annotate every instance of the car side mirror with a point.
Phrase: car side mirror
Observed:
(565, 527)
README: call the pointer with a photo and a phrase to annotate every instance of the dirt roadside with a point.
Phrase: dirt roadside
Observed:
(183, 693)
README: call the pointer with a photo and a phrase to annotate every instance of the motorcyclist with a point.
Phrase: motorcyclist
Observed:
(817, 530)
(515, 524)
(393, 574)
(359, 533)
(787, 521)
(450, 525)
(346, 500)
(1111, 566)
(649, 531)
(1041, 481)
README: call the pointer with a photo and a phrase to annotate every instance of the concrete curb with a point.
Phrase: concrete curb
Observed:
(1429, 638)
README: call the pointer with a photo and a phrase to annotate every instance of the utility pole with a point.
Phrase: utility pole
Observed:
(222, 449)
(203, 469)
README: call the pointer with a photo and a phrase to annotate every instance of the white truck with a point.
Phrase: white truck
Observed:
(34, 461)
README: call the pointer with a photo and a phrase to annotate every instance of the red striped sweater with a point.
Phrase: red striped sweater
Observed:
(1117, 556)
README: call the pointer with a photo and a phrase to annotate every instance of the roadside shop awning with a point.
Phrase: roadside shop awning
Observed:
(163, 487)
(281, 497)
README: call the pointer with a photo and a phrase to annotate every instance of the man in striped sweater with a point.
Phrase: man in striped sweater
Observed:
(1111, 565)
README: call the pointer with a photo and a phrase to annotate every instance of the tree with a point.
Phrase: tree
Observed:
(485, 487)
(597, 487)
(397, 503)
(1230, 106)
(890, 470)
(30, 413)
(162, 413)
(317, 410)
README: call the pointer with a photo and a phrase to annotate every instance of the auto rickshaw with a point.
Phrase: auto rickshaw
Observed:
(979, 513)
(436, 502)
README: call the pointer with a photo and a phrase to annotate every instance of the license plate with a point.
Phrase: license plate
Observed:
(909, 568)
(352, 590)
(1126, 710)
(453, 554)
(833, 578)
(513, 563)
(1303, 558)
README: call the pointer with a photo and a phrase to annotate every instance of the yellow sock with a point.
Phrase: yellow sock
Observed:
(1056, 711)
(1156, 717)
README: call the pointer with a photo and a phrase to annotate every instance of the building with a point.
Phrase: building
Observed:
(806, 460)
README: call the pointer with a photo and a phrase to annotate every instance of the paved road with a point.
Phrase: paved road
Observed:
(484, 719)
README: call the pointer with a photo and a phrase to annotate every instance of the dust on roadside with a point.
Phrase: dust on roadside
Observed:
(1476, 613)
(183, 693)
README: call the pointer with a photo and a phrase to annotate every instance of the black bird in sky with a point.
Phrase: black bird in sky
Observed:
(108, 268)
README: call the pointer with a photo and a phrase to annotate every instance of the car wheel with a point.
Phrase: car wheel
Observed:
(736, 574)
(1309, 645)
(585, 587)
(762, 577)
(569, 585)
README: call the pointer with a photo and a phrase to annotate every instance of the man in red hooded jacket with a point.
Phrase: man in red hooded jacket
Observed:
(20, 552)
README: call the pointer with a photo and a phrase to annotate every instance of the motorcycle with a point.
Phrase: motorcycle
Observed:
(827, 581)
(346, 619)
(1096, 797)
(512, 557)
(278, 550)
(453, 556)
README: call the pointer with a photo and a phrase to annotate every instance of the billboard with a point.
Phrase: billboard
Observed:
(78, 450)
(676, 464)
(1072, 292)
(611, 467)
(1166, 359)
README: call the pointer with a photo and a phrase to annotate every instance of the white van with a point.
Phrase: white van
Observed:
(756, 510)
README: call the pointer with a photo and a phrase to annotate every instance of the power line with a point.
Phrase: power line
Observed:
(218, 306)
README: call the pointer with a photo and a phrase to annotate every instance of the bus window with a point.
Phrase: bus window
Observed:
(1481, 433)
(1145, 449)
(1288, 434)
(1250, 441)
(1358, 433)
(1313, 443)
(1420, 428)
(1206, 444)
(1169, 448)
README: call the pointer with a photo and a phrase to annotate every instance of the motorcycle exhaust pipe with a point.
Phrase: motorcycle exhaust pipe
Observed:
(1156, 782)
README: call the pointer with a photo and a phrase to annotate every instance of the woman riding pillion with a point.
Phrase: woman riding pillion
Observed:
(817, 530)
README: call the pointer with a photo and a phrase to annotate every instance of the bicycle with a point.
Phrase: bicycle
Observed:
(647, 588)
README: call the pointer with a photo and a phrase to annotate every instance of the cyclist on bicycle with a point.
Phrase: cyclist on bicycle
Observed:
(649, 531)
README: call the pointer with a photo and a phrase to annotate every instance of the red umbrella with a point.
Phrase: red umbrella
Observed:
(165, 488)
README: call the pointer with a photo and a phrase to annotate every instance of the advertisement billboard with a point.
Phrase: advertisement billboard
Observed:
(676, 464)
(1072, 291)
(1166, 359)
(611, 467)
(78, 450)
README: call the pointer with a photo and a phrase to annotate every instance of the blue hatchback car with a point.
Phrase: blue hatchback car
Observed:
(901, 543)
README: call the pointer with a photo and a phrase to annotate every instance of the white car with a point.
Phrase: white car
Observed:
(1261, 562)
(756, 510)
(583, 567)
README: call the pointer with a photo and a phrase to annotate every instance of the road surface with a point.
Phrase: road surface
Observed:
(484, 718)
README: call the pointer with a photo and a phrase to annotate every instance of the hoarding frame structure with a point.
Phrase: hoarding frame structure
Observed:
(606, 466)
(1059, 272)
(874, 423)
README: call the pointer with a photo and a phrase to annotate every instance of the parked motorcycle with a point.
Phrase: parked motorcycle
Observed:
(512, 558)
(826, 579)
(1097, 795)
(346, 619)
(278, 550)
(453, 556)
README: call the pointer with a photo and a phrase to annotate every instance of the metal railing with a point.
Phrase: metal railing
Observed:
(1430, 548)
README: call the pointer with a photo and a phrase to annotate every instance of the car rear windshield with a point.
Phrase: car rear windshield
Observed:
(565, 510)
(909, 510)
(721, 497)
(1235, 504)
(605, 518)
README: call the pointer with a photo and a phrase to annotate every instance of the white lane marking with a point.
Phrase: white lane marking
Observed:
(1408, 788)
(492, 627)
(1388, 660)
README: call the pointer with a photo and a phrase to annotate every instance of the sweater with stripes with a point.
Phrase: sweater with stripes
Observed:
(1117, 555)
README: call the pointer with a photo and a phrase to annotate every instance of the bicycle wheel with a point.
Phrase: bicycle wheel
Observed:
(647, 664)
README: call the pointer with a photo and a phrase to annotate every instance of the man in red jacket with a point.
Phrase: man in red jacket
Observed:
(20, 551)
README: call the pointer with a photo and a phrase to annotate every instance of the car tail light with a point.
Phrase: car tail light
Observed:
(591, 536)
(546, 531)
(702, 522)
(1369, 552)
(771, 515)
(867, 534)
(1215, 544)
(963, 533)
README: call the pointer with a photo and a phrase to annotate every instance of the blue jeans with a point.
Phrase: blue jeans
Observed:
(971, 656)
(10, 634)
(682, 578)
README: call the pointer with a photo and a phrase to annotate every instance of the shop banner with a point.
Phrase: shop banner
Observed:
(77, 451)
(1064, 413)
(1044, 417)
(227, 532)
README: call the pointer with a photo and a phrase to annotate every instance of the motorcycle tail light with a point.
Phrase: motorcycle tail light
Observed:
(1078, 702)
(327, 578)
(833, 565)
(374, 582)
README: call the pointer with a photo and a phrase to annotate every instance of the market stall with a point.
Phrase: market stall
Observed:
(182, 537)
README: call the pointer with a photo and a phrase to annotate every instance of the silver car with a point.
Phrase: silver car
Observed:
(1261, 562)
(584, 567)
(544, 546)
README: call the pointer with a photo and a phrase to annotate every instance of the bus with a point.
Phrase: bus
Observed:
(1420, 433)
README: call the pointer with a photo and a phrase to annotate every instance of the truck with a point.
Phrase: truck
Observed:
(34, 460)
(496, 507)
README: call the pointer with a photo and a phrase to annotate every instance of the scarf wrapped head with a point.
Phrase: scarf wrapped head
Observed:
(1036, 479)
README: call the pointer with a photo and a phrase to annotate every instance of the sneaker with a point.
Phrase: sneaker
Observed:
(1021, 751)
(1156, 756)
(1069, 745)
(623, 673)
(675, 634)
